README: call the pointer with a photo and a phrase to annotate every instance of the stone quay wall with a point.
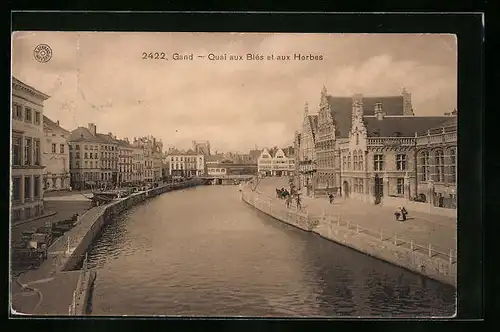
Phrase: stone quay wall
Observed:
(422, 260)
(91, 228)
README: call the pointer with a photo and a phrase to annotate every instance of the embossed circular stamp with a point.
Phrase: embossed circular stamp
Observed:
(42, 53)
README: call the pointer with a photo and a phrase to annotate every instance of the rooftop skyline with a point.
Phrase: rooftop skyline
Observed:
(101, 78)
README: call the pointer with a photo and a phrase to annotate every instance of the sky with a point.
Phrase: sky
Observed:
(102, 78)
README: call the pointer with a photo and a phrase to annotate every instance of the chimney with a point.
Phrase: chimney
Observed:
(378, 111)
(407, 106)
(92, 128)
(110, 134)
(57, 122)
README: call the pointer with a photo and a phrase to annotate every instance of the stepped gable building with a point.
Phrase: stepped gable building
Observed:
(364, 147)
(305, 151)
(276, 162)
(55, 156)
(26, 161)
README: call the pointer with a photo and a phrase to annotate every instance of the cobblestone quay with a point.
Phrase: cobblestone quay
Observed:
(34, 292)
(377, 235)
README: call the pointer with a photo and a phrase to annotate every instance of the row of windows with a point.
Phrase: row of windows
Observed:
(438, 164)
(327, 179)
(188, 159)
(54, 148)
(25, 151)
(30, 115)
(217, 170)
(29, 212)
(30, 182)
(184, 166)
(102, 164)
(378, 162)
(358, 185)
(91, 155)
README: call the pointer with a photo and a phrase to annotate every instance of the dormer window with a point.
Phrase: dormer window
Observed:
(398, 134)
(376, 133)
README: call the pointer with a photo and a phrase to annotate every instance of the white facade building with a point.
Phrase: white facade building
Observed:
(26, 160)
(187, 163)
(55, 156)
(276, 162)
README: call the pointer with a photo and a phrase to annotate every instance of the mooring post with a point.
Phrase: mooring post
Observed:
(430, 250)
(411, 245)
(338, 219)
(395, 240)
(381, 238)
(451, 257)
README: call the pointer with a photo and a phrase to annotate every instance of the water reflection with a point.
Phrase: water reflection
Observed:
(204, 252)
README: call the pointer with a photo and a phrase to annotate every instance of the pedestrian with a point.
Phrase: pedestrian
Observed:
(330, 197)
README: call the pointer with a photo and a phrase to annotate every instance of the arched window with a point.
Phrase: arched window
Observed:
(453, 166)
(439, 164)
(360, 160)
(349, 162)
(355, 161)
(344, 162)
(357, 138)
(424, 166)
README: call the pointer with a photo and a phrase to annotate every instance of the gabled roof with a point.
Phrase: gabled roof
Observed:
(123, 143)
(190, 152)
(106, 139)
(82, 134)
(176, 152)
(341, 110)
(391, 105)
(51, 125)
(405, 126)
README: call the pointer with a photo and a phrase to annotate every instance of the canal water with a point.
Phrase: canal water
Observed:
(204, 252)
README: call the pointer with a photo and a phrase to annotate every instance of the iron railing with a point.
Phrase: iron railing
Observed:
(270, 206)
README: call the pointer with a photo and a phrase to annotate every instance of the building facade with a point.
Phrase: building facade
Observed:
(125, 162)
(228, 169)
(55, 156)
(276, 162)
(157, 146)
(26, 156)
(137, 165)
(305, 151)
(367, 148)
(108, 158)
(436, 165)
(148, 153)
(186, 164)
(93, 158)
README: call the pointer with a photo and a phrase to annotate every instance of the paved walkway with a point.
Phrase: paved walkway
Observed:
(422, 228)
(52, 292)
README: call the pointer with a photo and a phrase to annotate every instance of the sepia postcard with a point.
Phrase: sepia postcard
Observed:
(233, 174)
